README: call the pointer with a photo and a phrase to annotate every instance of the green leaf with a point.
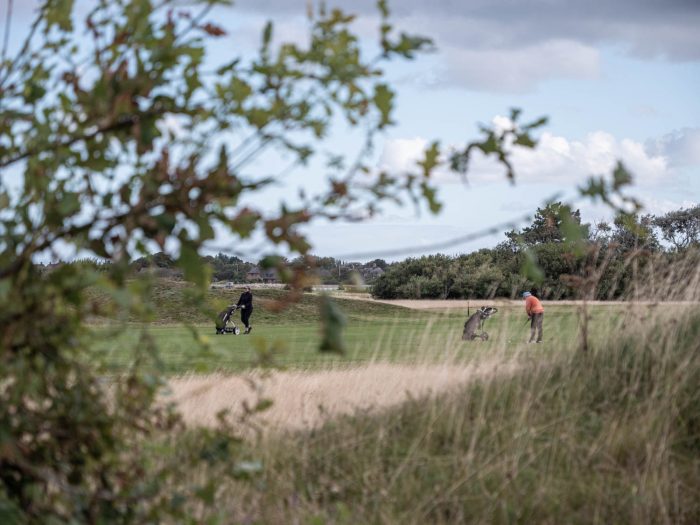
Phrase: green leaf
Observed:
(194, 268)
(575, 234)
(536, 123)
(240, 90)
(523, 139)
(431, 159)
(59, 12)
(530, 267)
(267, 36)
(332, 323)
(206, 231)
(621, 177)
(69, 204)
(384, 101)
(430, 195)
(490, 145)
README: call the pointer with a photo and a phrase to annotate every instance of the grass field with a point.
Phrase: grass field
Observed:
(373, 332)
(520, 433)
(607, 436)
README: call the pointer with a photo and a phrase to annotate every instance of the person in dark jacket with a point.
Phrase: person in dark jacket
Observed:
(245, 303)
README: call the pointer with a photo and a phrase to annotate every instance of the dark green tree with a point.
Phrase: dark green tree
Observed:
(548, 225)
(633, 233)
(680, 227)
(379, 263)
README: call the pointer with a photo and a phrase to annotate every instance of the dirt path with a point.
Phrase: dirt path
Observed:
(439, 304)
(305, 399)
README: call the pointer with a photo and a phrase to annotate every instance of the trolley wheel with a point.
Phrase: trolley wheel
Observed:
(236, 331)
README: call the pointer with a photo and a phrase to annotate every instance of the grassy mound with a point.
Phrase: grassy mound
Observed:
(609, 436)
(171, 303)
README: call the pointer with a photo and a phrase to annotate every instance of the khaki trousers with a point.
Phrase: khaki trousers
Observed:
(536, 324)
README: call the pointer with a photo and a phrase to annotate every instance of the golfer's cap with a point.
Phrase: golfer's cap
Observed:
(526, 294)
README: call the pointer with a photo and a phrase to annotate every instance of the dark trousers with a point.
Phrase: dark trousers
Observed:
(245, 315)
(536, 324)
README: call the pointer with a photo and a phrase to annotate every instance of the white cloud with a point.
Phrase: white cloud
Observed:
(596, 211)
(401, 155)
(555, 160)
(681, 147)
(658, 206)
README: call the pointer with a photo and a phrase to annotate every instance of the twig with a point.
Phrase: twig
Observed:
(25, 46)
(8, 25)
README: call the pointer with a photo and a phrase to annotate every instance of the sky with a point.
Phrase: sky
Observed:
(617, 80)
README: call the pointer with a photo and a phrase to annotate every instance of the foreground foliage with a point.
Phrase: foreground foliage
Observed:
(116, 139)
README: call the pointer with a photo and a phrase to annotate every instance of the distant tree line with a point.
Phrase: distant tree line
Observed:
(545, 254)
(223, 267)
(327, 270)
(616, 252)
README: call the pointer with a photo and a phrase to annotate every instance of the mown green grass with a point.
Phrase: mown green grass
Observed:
(374, 331)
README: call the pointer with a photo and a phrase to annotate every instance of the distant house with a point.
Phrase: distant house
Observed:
(256, 275)
(371, 273)
(269, 276)
(253, 275)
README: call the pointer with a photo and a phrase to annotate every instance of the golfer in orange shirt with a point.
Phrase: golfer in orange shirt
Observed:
(535, 312)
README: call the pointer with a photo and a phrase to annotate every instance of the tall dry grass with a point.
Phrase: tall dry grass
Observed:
(610, 435)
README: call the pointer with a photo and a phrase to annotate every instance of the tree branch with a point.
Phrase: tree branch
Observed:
(8, 25)
(122, 123)
(25, 46)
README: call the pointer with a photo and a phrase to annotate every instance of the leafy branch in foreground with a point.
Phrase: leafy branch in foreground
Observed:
(117, 139)
(499, 141)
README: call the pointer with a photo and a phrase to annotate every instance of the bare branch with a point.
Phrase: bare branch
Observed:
(8, 25)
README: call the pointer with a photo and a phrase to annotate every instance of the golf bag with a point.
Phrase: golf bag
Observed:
(225, 323)
(474, 327)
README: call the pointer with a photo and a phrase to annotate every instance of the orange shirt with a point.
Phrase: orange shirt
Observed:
(533, 305)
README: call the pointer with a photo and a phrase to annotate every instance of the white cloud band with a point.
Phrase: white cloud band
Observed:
(558, 160)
